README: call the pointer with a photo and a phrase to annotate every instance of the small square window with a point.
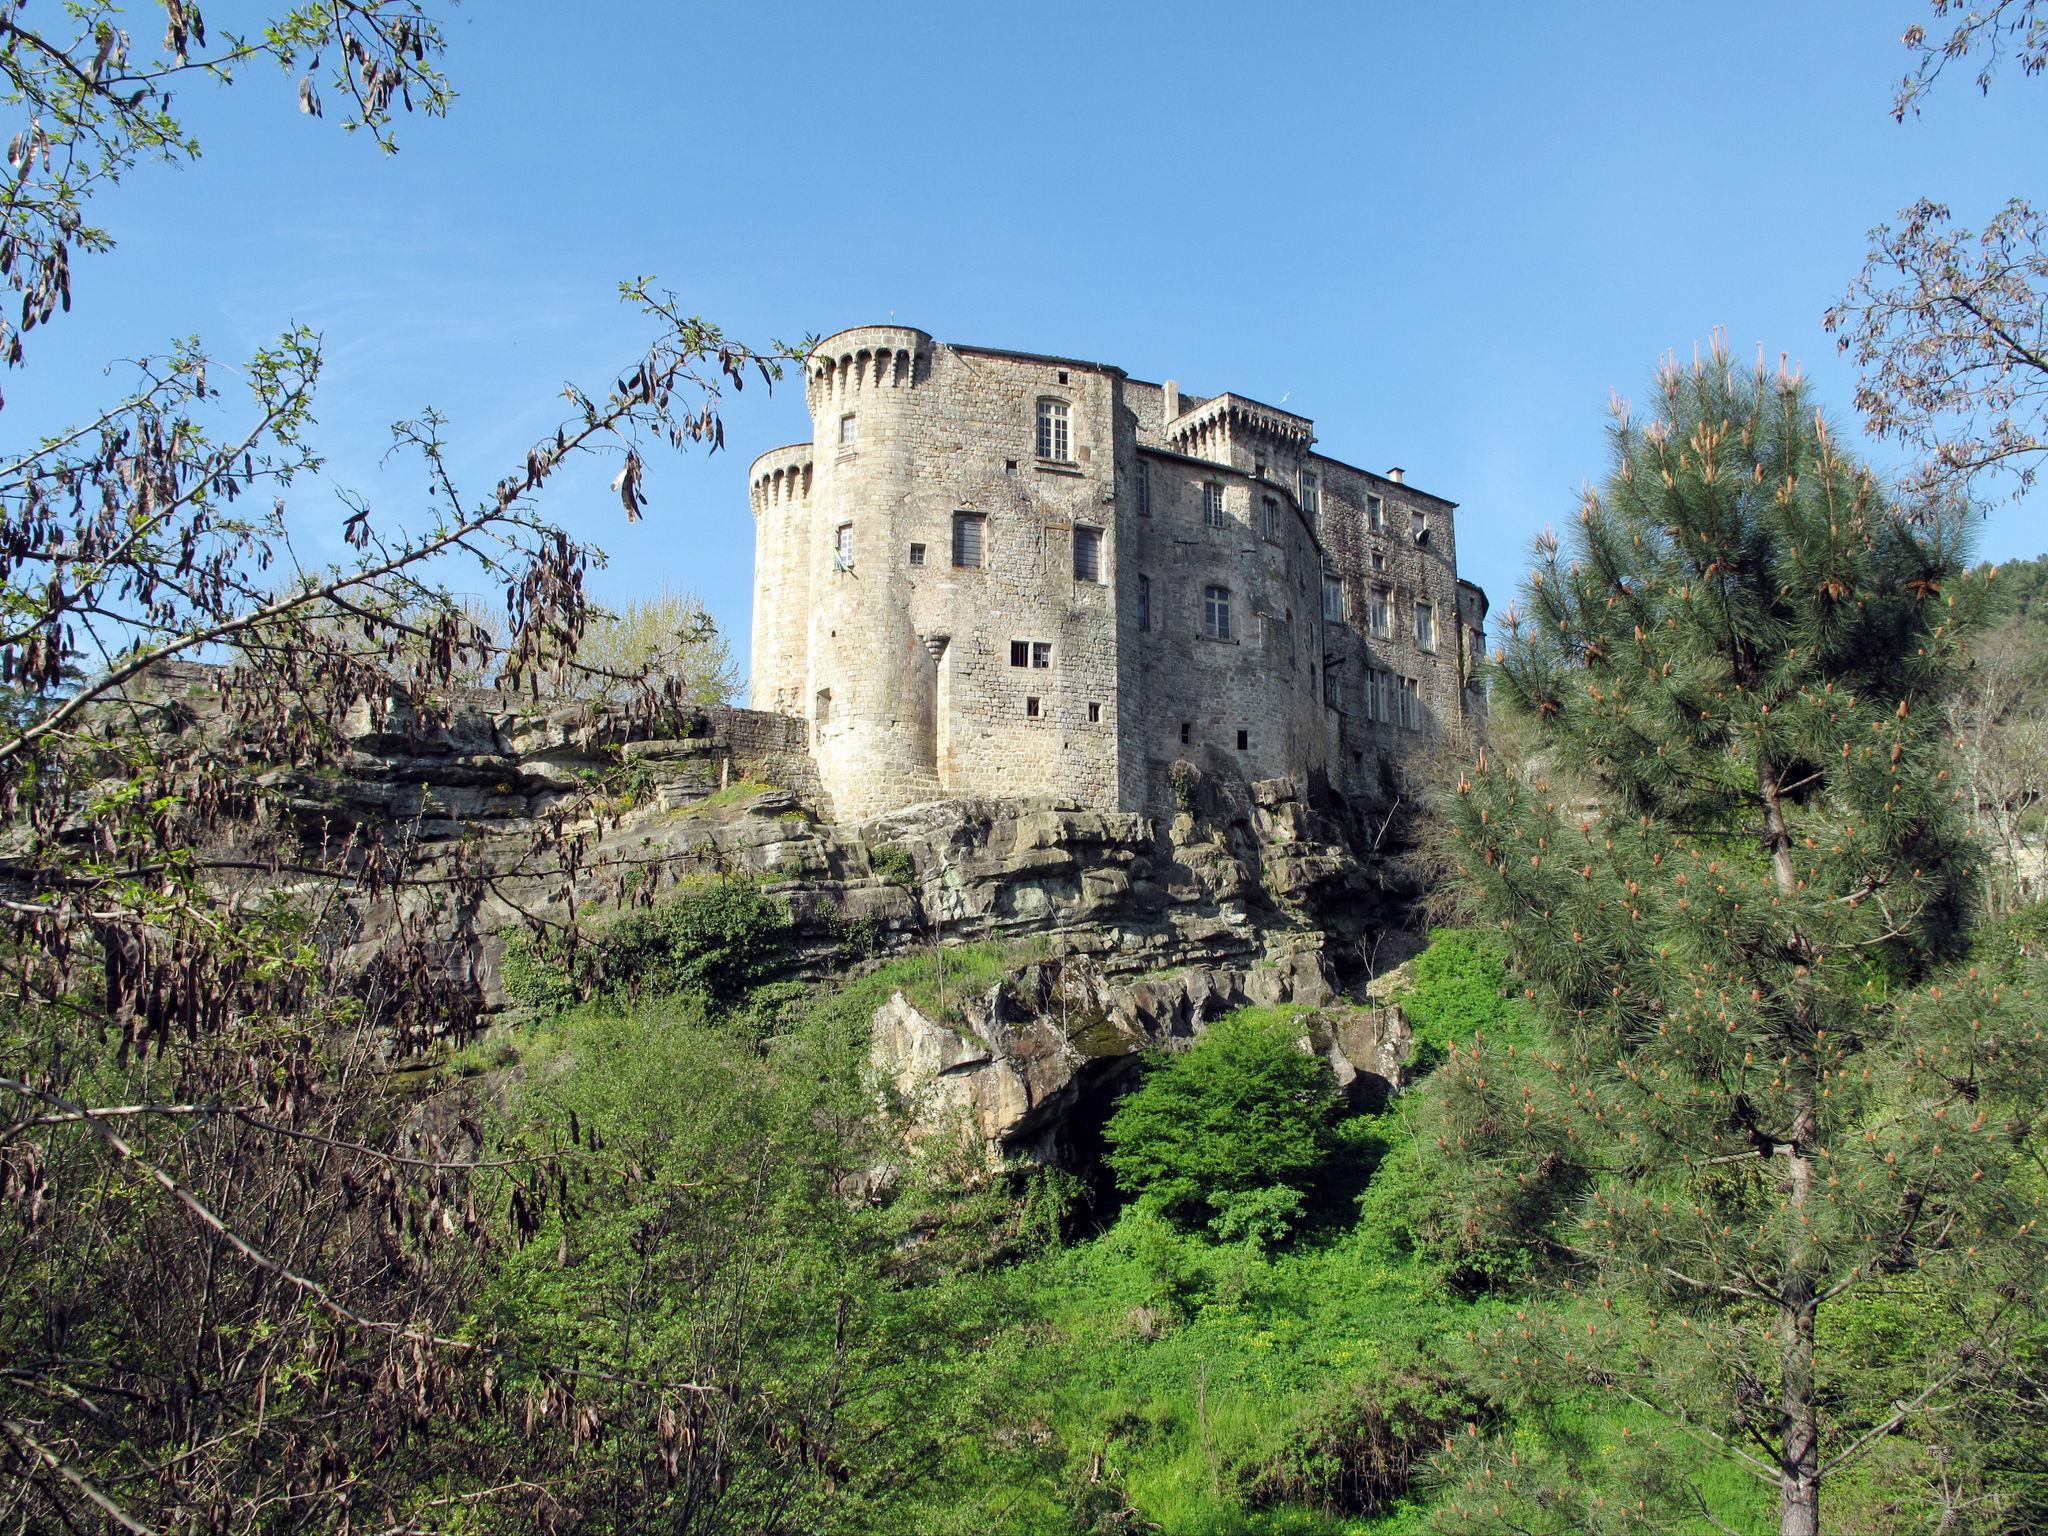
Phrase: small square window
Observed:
(1379, 560)
(1031, 706)
(1020, 653)
(1041, 654)
(1186, 732)
(917, 554)
(1063, 375)
(1094, 713)
(849, 430)
(1244, 740)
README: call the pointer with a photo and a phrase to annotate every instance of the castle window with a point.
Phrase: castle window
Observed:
(1186, 732)
(1269, 517)
(1144, 489)
(1382, 687)
(1052, 431)
(1379, 560)
(1333, 599)
(1041, 654)
(1216, 612)
(821, 712)
(1212, 503)
(1425, 627)
(1144, 601)
(967, 539)
(1031, 706)
(1088, 554)
(1381, 612)
(845, 548)
(1311, 495)
(917, 554)
(1094, 713)
(1244, 740)
(1418, 525)
(1411, 703)
(1259, 469)
(849, 430)
(1063, 375)
(1375, 513)
(1020, 653)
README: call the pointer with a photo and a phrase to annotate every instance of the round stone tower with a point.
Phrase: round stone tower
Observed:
(780, 484)
(870, 684)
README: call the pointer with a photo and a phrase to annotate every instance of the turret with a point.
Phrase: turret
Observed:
(871, 685)
(780, 483)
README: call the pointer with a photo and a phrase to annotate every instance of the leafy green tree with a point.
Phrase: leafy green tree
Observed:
(1229, 1133)
(1785, 1089)
(727, 1337)
(232, 1263)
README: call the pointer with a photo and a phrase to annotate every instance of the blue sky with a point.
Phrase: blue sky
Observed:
(1445, 233)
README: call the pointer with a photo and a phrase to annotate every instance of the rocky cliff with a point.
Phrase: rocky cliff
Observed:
(530, 811)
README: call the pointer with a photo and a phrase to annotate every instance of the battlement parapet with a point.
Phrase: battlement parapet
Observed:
(866, 357)
(781, 475)
(1235, 415)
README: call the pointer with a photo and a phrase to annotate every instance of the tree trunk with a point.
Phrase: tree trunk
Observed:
(1798, 1412)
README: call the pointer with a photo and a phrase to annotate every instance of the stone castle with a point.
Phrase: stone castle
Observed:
(1000, 574)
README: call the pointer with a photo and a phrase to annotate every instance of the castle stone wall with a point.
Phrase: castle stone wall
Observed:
(921, 679)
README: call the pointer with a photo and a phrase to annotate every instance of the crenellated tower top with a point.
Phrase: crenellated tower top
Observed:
(780, 474)
(1210, 429)
(866, 357)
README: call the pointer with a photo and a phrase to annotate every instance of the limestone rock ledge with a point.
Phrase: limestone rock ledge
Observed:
(1015, 1068)
(1256, 880)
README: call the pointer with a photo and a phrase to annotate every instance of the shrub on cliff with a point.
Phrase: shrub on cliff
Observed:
(715, 941)
(1229, 1134)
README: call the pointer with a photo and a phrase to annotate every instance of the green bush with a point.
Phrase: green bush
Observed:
(893, 863)
(1229, 1134)
(1462, 988)
(1359, 1452)
(714, 941)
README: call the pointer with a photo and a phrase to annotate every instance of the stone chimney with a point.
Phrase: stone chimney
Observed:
(1172, 406)
(1398, 475)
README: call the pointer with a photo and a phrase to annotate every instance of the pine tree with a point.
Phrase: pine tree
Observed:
(1778, 1100)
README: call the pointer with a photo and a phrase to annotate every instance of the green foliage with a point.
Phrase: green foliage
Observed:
(1461, 988)
(738, 792)
(715, 940)
(892, 862)
(1229, 1133)
(1359, 1450)
(935, 980)
(740, 1320)
(1763, 1072)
